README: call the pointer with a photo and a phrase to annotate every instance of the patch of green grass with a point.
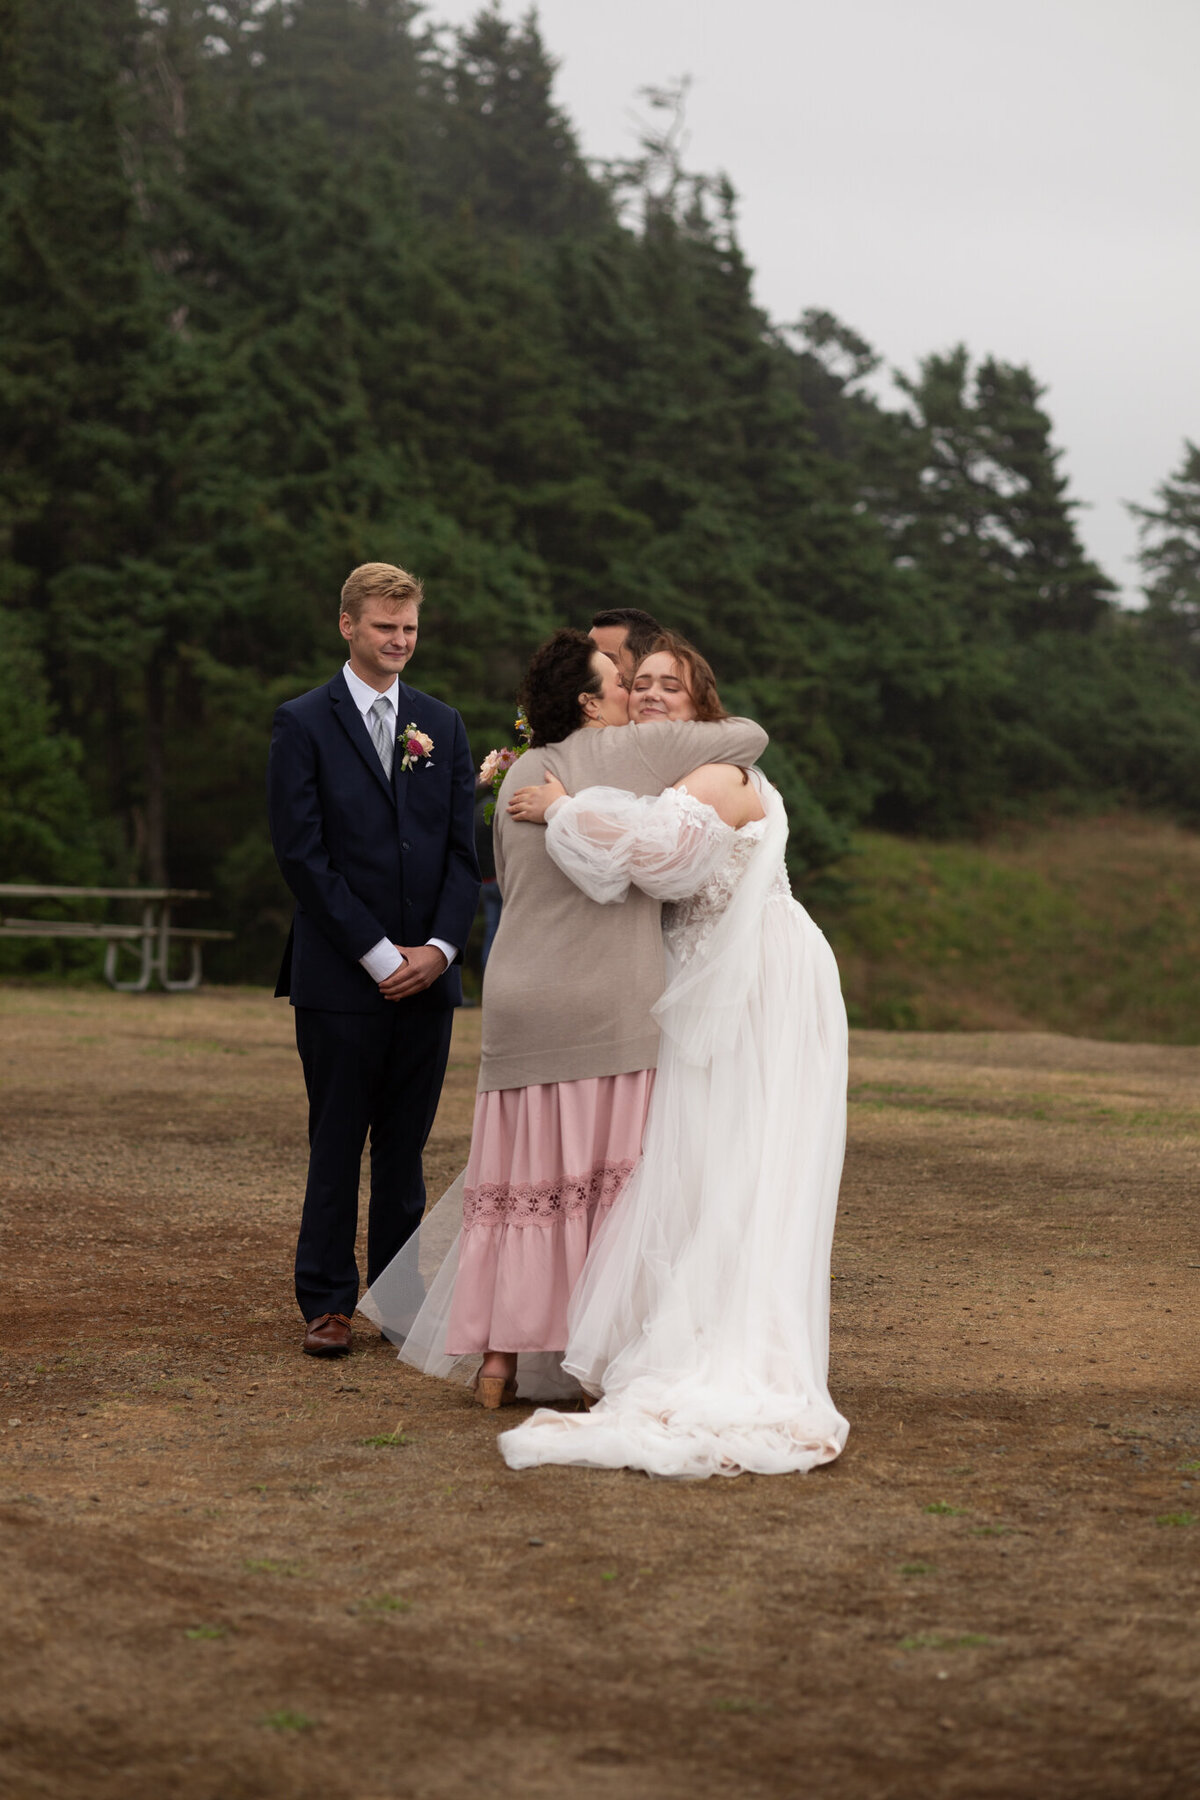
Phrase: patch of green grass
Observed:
(934, 1640)
(945, 936)
(1178, 1518)
(943, 1510)
(266, 1565)
(200, 1634)
(287, 1719)
(1189, 1468)
(608, 1575)
(386, 1440)
(918, 1568)
(1163, 1120)
(380, 1604)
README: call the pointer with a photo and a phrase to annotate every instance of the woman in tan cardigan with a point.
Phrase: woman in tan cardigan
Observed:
(569, 1044)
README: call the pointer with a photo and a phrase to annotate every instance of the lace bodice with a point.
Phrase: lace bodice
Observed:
(688, 924)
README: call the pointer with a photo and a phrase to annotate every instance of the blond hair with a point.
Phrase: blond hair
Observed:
(379, 581)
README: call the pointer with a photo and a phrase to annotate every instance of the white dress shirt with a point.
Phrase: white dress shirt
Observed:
(383, 958)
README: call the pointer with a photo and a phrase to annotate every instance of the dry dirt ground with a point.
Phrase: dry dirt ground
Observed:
(232, 1573)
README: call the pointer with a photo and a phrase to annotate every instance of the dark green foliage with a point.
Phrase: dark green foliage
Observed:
(288, 287)
(987, 514)
(47, 833)
(1170, 558)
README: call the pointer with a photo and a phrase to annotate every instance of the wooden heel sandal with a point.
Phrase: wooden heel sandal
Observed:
(495, 1391)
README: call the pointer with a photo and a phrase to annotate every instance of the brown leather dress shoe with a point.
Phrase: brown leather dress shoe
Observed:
(329, 1335)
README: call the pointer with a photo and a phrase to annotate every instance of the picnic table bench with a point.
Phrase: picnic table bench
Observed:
(151, 940)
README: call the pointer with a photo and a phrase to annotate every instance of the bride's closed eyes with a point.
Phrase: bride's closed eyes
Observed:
(660, 690)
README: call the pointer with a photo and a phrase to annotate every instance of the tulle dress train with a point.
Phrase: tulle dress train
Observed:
(702, 1314)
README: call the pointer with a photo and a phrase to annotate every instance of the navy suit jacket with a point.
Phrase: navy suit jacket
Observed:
(368, 858)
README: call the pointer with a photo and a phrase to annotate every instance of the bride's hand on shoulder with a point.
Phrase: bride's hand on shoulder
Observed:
(532, 803)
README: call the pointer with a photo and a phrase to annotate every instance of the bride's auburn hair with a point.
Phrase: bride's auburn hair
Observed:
(697, 673)
(560, 671)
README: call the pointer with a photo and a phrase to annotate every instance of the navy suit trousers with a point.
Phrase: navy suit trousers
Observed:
(377, 1074)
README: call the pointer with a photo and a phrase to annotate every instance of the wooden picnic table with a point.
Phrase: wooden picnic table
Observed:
(151, 940)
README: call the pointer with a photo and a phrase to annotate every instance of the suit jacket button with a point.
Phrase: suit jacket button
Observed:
(405, 845)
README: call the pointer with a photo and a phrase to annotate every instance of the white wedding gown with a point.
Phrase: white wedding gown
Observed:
(702, 1315)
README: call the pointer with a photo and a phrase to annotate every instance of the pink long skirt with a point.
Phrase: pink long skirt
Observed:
(546, 1163)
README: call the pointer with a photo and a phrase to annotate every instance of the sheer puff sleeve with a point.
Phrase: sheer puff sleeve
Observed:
(607, 841)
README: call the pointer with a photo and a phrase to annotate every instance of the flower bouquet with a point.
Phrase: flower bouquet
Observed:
(497, 763)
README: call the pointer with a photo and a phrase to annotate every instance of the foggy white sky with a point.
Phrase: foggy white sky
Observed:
(1019, 175)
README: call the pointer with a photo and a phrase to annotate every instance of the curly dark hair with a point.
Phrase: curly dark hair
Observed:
(560, 671)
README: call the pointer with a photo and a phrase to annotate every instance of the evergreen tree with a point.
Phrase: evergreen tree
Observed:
(506, 158)
(989, 518)
(1169, 554)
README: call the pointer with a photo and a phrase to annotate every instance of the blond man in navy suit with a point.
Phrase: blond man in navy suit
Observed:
(371, 793)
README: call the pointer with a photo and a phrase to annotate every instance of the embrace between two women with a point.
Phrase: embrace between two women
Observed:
(647, 1210)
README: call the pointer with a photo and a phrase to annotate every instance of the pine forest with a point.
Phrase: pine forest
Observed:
(287, 287)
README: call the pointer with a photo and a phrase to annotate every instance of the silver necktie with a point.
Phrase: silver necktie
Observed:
(381, 737)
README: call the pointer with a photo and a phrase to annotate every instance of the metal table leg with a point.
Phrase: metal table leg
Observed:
(147, 952)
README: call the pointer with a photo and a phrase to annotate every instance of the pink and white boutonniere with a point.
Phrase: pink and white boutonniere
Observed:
(418, 747)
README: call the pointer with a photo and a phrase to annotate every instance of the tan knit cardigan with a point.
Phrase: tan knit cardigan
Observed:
(569, 983)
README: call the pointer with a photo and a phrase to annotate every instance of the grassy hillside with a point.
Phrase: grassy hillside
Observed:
(1090, 927)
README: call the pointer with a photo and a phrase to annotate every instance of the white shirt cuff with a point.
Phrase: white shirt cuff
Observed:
(381, 960)
(447, 950)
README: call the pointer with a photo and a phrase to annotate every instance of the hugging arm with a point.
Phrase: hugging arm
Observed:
(607, 841)
(532, 804)
(673, 750)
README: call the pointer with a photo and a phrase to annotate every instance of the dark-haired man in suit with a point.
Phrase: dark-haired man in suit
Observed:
(371, 793)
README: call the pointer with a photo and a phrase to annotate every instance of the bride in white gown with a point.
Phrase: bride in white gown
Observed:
(702, 1315)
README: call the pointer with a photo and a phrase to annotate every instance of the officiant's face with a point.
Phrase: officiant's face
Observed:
(660, 691)
(381, 640)
(613, 640)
